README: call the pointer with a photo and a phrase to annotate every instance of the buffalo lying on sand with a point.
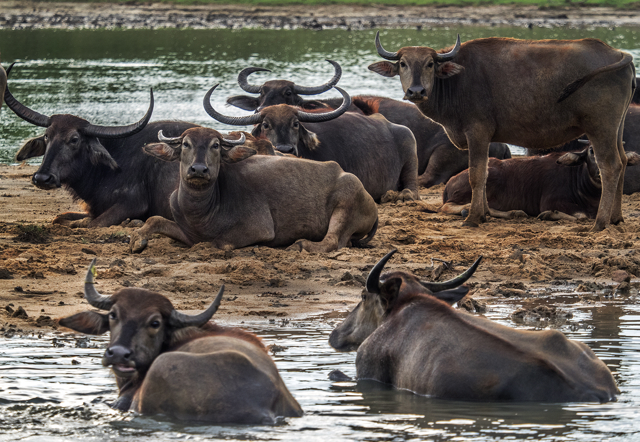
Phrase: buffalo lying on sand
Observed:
(408, 335)
(104, 167)
(438, 158)
(535, 94)
(185, 367)
(232, 199)
(381, 154)
(551, 187)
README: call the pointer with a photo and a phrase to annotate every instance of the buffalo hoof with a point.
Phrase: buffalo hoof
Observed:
(81, 223)
(470, 224)
(464, 212)
(518, 214)
(296, 247)
(137, 244)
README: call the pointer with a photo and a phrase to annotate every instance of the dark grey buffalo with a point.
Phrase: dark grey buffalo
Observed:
(551, 187)
(104, 167)
(381, 154)
(438, 158)
(181, 366)
(232, 199)
(534, 94)
(408, 335)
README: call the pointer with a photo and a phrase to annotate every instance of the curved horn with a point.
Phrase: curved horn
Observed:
(449, 55)
(584, 141)
(180, 320)
(383, 52)
(23, 111)
(91, 294)
(237, 142)
(373, 280)
(455, 282)
(308, 117)
(164, 139)
(304, 90)
(244, 84)
(120, 131)
(233, 121)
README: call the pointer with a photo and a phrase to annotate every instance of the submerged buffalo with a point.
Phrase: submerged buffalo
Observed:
(535, 94)
(381, 154)
(232, 199)
(408, 335)
(438, 158)
(185, 367)
(104, 167)
(552, 187)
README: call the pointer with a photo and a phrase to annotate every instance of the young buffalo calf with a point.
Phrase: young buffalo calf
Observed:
(182, 366)
(408, 335)
(235, 201)
(552, 187)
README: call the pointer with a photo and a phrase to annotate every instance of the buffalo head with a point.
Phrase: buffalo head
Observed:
(417, 67)
(142, 324)
(587, 157)
(280, 124)
(277, 91)
(201, 151)
(384, 294)
(69, 144)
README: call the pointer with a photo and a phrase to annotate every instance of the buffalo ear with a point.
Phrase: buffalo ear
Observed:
(162, 151)
(633, 158)
(314, 104)
(384, 68)
(237, 154)
(99, 155)
(452, 296)
(448, 69)
(308, 138)
(244, 102)
(389, 291)
(90, 323)
(35, 147)
(573, 158)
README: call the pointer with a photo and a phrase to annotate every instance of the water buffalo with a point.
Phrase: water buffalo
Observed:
(234, 200)
(185, 367)
(534, 94)
(408, 335)
(438, 158)
(381, 154)
(551, 187)
(102, 166)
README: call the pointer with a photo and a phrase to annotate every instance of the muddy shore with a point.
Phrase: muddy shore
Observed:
(42, 266)
(33, 15)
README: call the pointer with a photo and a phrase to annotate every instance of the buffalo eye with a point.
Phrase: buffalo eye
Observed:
(288, 92)
(403, 64)
(265, 125)
(186, 145)
(216, 145)
(74, 140)
(296, 124)
(430, 64)
(154, 324)
(113, 316)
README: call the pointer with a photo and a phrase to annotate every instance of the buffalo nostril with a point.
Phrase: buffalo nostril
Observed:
(199, 168)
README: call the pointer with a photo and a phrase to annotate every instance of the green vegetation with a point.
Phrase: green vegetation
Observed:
(32, 233)
(551, 4)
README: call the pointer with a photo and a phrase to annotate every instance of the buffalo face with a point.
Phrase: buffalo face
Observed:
(281, 126)
(418, 67)
(200, 151)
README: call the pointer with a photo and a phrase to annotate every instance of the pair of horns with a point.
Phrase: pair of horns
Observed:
(303, 117)
(177, 319)
(41, 120)
(302, 90)
(396, 56)
(171, 140)
(373, 281)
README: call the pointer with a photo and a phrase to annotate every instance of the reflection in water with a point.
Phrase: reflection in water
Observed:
(61, 393)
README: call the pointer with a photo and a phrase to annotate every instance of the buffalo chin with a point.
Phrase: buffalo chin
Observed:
(123, 371)
(197, 183)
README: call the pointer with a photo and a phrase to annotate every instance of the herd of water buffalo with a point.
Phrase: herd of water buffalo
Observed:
(309, 175)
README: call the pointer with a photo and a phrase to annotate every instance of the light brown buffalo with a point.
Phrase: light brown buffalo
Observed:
(535, 94)
(408, 335)
(182, 366)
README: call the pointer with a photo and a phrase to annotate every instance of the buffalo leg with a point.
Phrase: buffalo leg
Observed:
(67, 218)
(611, 166)
(616, 214)
(156, 224)
(556, 215)
(460, 209)
(478, 162)
(117, 213)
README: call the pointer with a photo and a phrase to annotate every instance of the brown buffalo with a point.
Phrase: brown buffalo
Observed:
(534, 94)
(232, 199)
(185, 367)
(552, 187)
(381, 154)
(408, 335)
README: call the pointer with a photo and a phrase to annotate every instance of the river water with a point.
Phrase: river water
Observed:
(54, 388)
(104, 76)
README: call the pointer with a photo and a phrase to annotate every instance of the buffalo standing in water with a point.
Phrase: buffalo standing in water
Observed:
(185, 367)
(535, 94)
(408, 335)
